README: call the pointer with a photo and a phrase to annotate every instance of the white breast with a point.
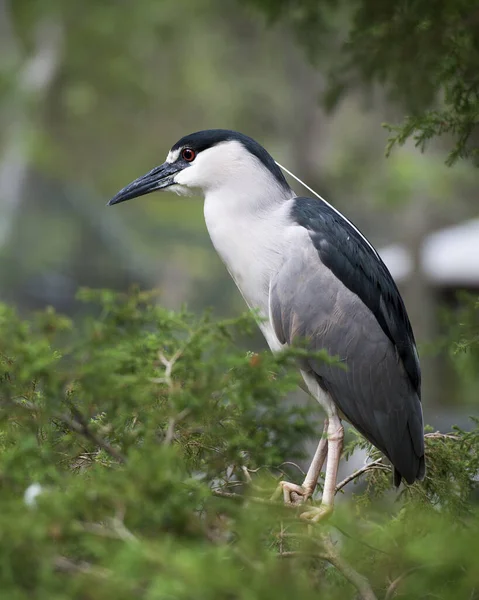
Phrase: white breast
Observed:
(251, 241)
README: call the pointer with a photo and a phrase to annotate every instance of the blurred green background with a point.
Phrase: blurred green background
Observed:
(94, 93)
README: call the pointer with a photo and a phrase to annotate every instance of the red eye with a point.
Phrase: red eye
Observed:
(188, 154)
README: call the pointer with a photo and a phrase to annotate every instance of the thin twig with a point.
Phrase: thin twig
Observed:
(281, 536)
(362, 542)
(249, 480)
(168, 363)
(123, 533)
(99, 530)
(377, 464)
(115, 529)
(254, 499)
(246, 474)
(301, 537)
(293, 464)
(232, 484)
(66, 565)
(296, 553)
(438, 436)
(392, 589)
(172, 423)
(79, 425)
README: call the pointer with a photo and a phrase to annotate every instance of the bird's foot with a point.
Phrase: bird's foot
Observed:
(317, 514)
(292, 493)
(296, 495)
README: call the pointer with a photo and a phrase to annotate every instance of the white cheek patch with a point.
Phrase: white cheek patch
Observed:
(187, 176)
(172, 155)
(185, 182)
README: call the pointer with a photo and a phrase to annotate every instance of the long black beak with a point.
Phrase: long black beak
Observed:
(157, 179)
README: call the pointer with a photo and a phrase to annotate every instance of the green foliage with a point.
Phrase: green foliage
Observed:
(460, 343)
(158, 443)
(425, 54)
(464, 327)
(436, 123)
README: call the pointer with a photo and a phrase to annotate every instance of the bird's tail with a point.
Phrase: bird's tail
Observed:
(420, 473)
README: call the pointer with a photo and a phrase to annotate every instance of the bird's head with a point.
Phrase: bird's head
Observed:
(205, 161)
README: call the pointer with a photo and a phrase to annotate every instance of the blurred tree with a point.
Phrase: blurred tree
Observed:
(28, 77)
(424, 54)
(150, 82)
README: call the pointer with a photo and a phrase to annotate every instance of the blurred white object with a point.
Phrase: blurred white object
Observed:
(31, 493)
(449, 257)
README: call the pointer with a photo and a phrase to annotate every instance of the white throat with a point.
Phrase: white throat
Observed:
(247, 231)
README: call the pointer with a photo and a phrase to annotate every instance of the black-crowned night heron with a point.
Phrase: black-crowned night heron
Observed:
(310, 274)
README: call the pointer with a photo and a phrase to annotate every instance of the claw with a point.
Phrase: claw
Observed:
(316, 514)
(293, 493)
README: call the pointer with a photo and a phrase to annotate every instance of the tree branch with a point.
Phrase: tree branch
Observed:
(437, 435)
(255, 500)
(79, 425)
(66, 565)
(377, 464)
(296, 553)
(116, 530)
(330, 555)
(359, 581)
(34, 78)
(392, 589)
(328, 552)
(172, 423)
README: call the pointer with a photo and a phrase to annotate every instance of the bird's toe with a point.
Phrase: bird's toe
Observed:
(317, 514)
(293, 493)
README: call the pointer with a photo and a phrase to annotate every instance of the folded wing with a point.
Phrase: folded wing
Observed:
(337, 293)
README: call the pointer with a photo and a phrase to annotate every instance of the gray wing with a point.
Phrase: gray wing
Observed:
(374, 392)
